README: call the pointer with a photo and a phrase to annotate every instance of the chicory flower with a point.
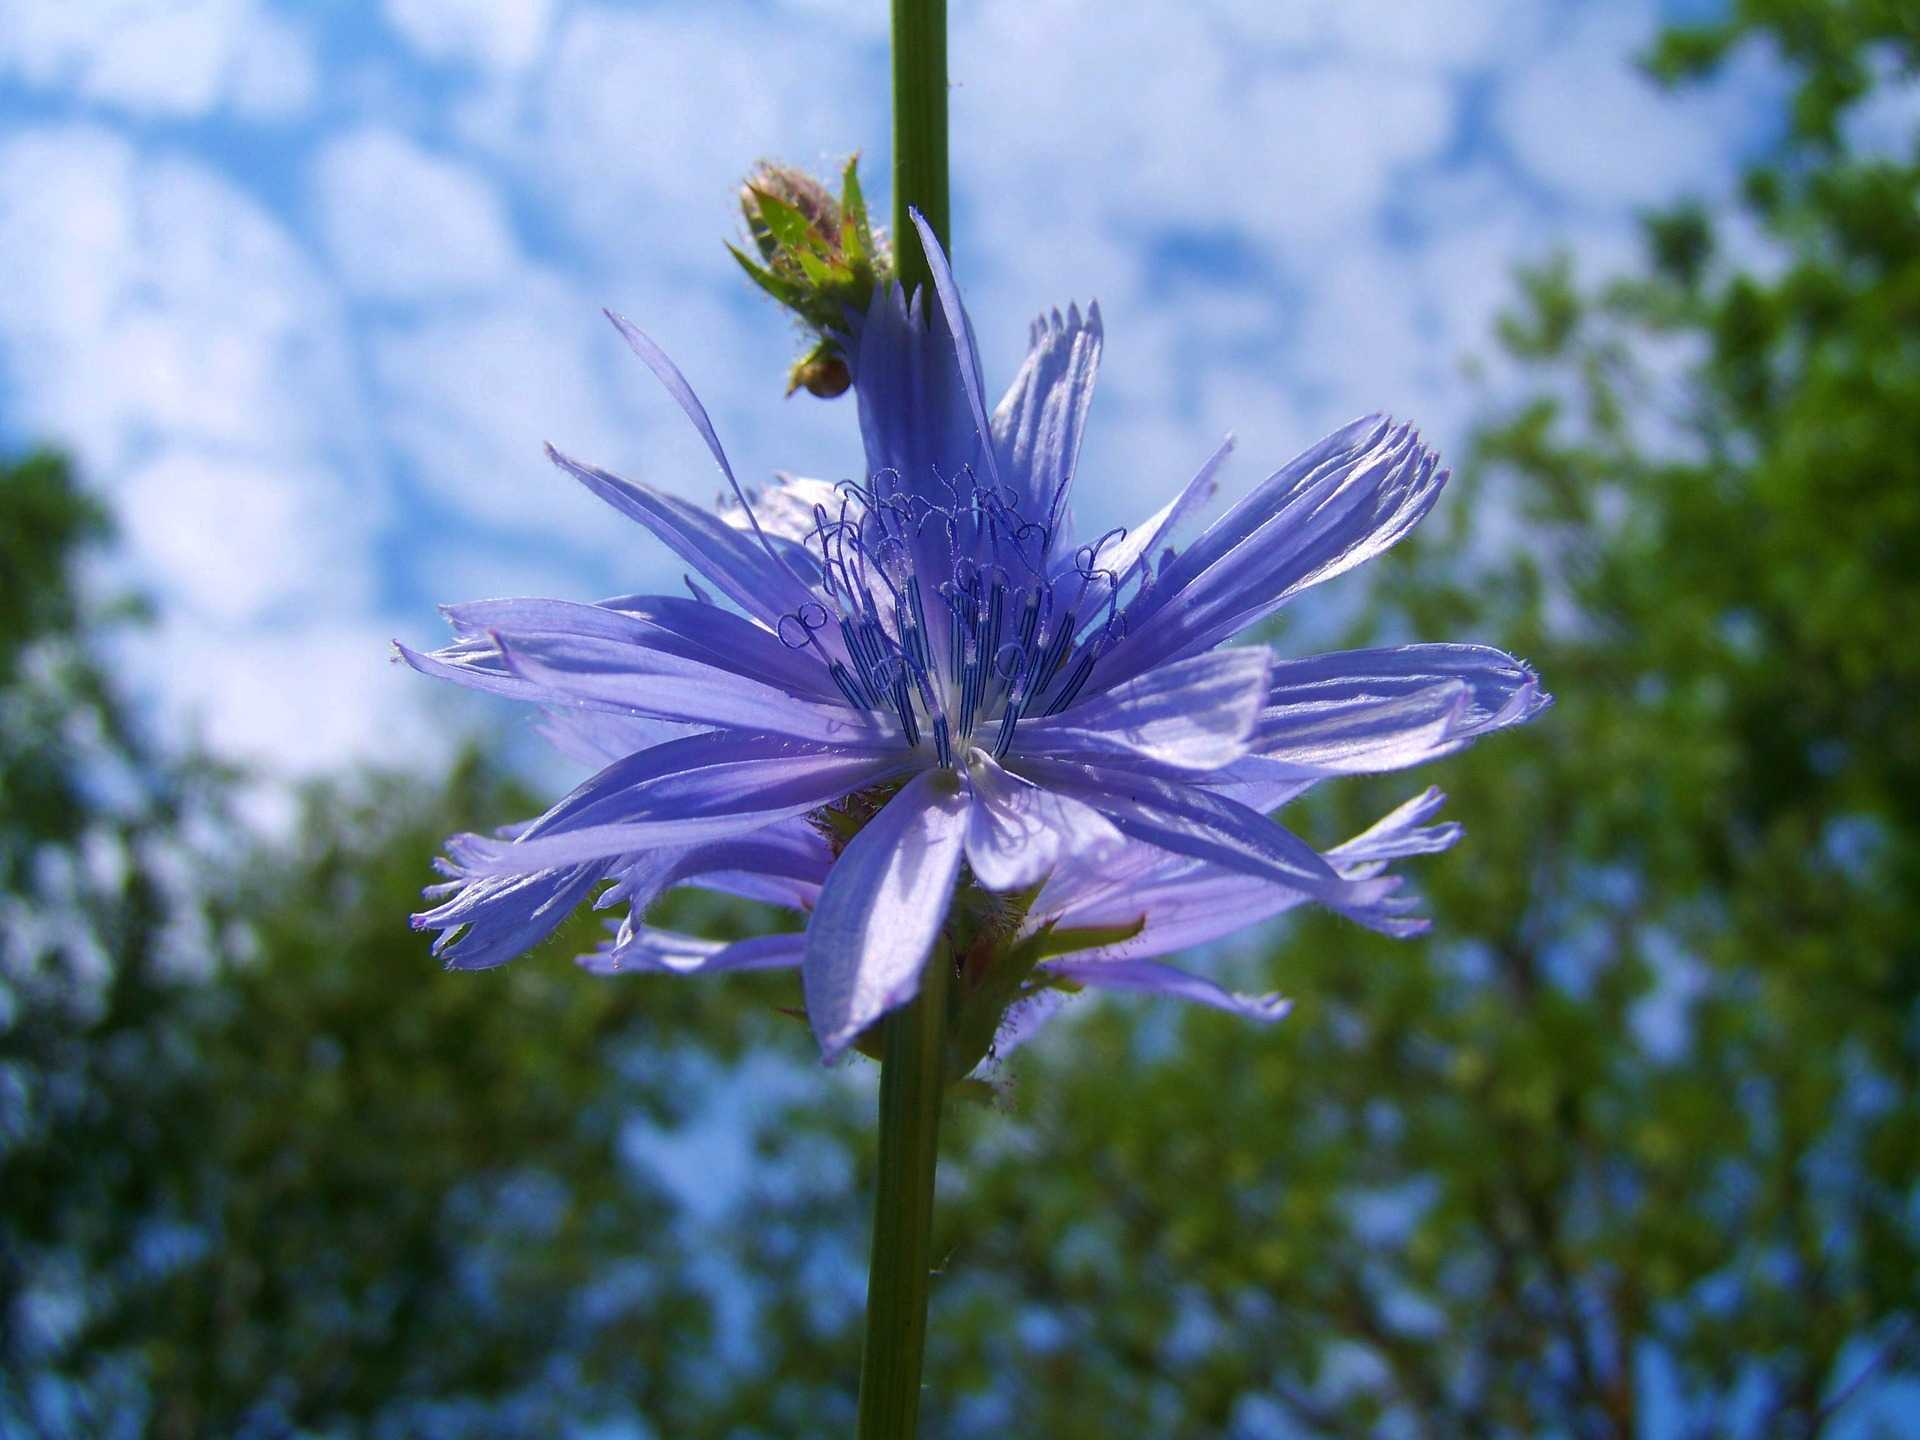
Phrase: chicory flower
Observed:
(930, 718)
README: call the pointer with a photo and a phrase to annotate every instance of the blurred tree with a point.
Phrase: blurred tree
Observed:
(265, 1169)
(1630, 1148)
(92, 928)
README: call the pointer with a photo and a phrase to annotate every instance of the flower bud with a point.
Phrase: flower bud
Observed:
(793, 188)
(821, 371)
(819, 257)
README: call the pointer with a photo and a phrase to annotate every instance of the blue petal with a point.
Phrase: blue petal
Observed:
(914, 419)
(1366, 711)
(1258, 784)
(648, 951)
(1181, 903)
(1339, 504)
(920, 439)
(1187, 820)
(744, 572)
(1360, 734)
(785, 509)
(1024, 1019)
(1151, 978)
(635, 680)
(784, 864)
(1195, 714)
(1399, 833)
(676, 385)
(701, 788)
(670, 623)
(762, 888)
(881, 909)
(557, 654)
(1178, 903)
(1038, 424)
(1019, 832)
(490, 920)
(783, 856)
(593, 738)
(966, 354)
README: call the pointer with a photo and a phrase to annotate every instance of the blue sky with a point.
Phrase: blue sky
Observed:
(306, 287)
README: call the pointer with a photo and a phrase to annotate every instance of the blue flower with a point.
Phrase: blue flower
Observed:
(923, 681)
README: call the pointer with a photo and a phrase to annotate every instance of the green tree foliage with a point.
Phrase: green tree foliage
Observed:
(266, 1169)
(93, 932)
(1630, 1147)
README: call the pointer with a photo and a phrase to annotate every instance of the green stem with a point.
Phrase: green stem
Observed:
(913, 1070)
(919, 132)
(912, 1078)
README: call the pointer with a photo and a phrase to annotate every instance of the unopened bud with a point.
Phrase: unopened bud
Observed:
(793, 188)
(821, 372)
(819, 257)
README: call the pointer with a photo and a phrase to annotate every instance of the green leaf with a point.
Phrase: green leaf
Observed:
(1052, 942)
(856, 239)
(819, 272)
(788, 292)
(789, 227)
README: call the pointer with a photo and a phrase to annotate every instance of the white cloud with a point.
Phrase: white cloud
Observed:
(1203, 138)
(1580, 118)
(1328, 144)
(274, 74)
(151, 300)
(163, 57)
(470, 395)
(401, 223)
(302, 698)
(160, 322)
(1452, 34)
(237, 540)
(847, 17)
(501, 35)
(640, 124)
(487, 569)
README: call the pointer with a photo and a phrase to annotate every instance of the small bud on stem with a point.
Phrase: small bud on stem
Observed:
(819, 257)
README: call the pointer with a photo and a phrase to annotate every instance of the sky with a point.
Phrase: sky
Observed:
(305, 288)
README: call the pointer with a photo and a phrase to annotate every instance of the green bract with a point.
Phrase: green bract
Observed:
(819, 257)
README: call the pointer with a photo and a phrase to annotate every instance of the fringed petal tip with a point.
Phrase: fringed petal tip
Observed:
(1268, 1009)
(1400, 833)
(1150, 977)
(401, 653)
(1527, 701)
(1049, 328)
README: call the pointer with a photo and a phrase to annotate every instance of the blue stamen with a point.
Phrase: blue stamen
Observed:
(1071, 689)
(846, 684)
(903, 707)
(1010, 631)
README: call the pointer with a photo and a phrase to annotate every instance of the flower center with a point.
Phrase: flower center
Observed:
(953, 616)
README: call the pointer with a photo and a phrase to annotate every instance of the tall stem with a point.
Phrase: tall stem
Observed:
(919, 132)
(913, 1070)
(912, 1077)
